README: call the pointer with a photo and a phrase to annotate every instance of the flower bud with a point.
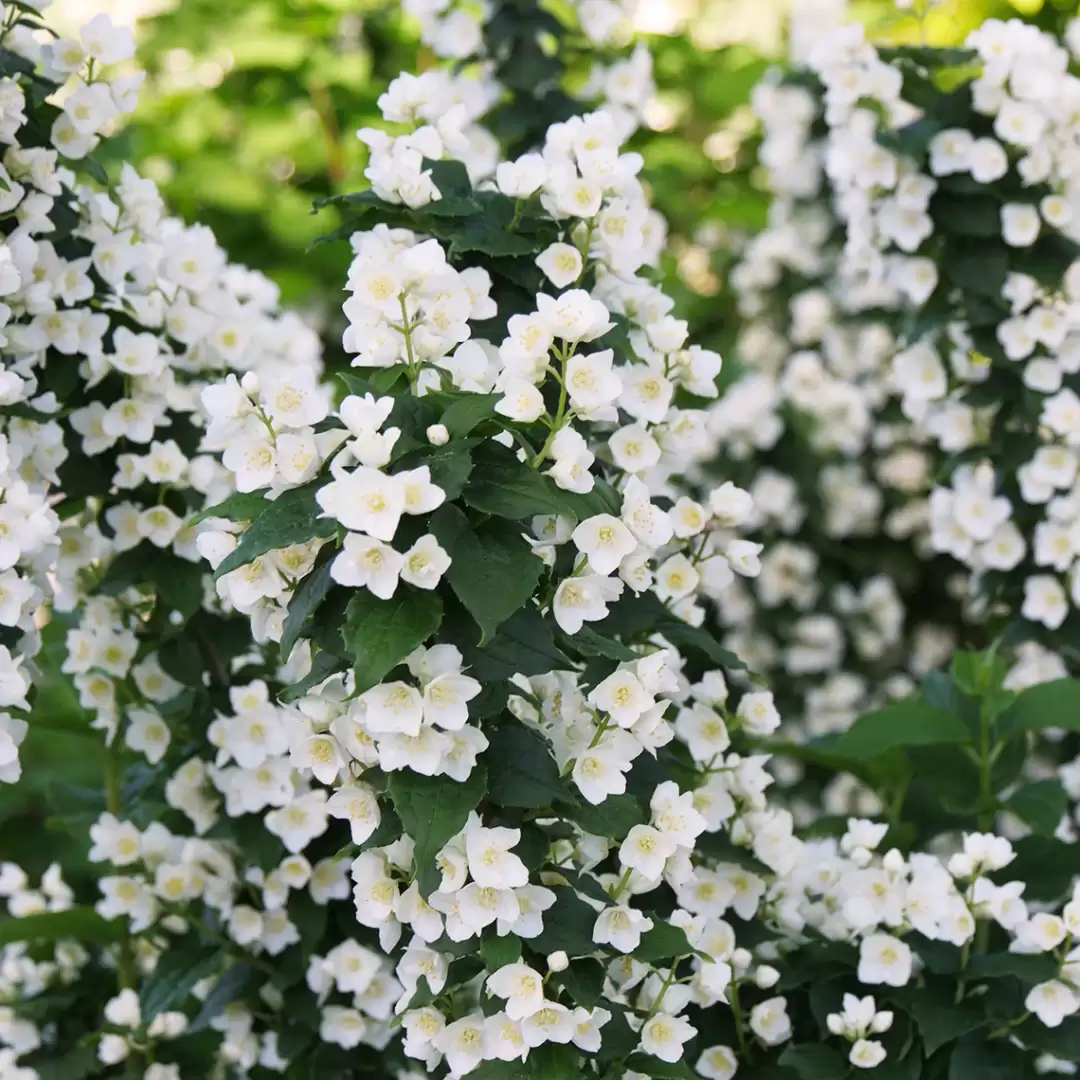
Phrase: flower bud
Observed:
(250, 383)
(835, 1023)
(766, 976)
(437, 435)
(881, 1022)
(741, 959)
(893, 861)
(558, 961)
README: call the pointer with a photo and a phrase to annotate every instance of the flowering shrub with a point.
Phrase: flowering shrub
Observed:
(418, 755)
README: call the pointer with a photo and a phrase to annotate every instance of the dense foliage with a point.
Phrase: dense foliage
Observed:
(421, 718)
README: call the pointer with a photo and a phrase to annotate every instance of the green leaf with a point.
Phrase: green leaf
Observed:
(613, 818)
(663, 942)
(432, 811)
(494, 573)
(309, 594)
(660, 1070)
(812, 1061)
(226, 990)
(1041, 804)
(685, 636)
(940, 1021)
(79, 923)
(1046, 865)
(76, 1064)
(497, 952)
(468, 410)
(1062, 1041)
(381, 633)
(521, 770)
(176, 973)
(977, 1058)
(568, 925)
(322, 667)
(904, 723)
(584, 982)
(980, 268)
(509, 489)
(239, 506)
(1027, 967)
(587, 642)
(1046, 705)
(523, 645)
(967, 215)
(293, 518)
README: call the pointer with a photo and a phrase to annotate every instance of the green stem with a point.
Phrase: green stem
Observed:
(560, 415)
(736, 1009)
(406, 332)
(664, 989)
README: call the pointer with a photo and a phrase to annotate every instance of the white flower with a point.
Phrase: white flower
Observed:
(365, 501)
(717, 1063)
(365, 562)
(884, 959)
(866, 1054)
(521, 402)
(663, 1035)
(520, 986)
(770, 1022)
(579, 600)
(621, 927)
(1051, 1002)
(357, 804)
(424, 564)
(561, 264)
(491, 862)
(605, 540)
(590, 380)
(646, 849)
(1019, 224)
(446, 699)
(462, 1044)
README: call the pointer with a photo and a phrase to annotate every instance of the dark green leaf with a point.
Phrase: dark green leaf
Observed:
(293, 518)
(494, 573)
(79, 923)
(1046, 705)
(904, 723)
(1041, 804)
(226, 990)
(613, 818)
(940, 1021)
(521, 770)
(568, 925)
(239, 506)
(812, 1061)
(381, 633)
(663, 942)
(468, 410)
(309, 594)
(584, 982)
(175, 975)
(977, 1058)
(1028, 967)
(432, 811)
(497, 952)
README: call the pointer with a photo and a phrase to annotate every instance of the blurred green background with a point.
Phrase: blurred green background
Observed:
(251, 107)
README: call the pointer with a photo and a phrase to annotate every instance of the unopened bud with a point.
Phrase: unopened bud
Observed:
(558, 961)
(766, 976)
(250, 383)
(437, 435)
(741, 959)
